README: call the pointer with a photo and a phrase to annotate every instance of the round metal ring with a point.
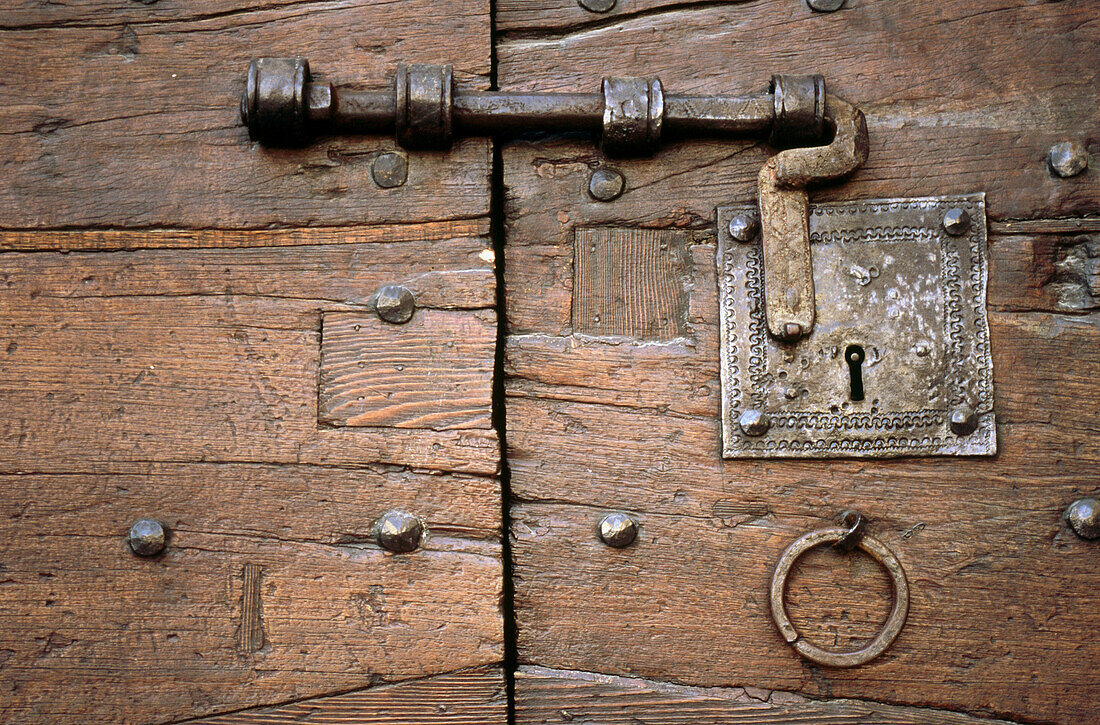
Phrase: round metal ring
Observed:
(877, 551)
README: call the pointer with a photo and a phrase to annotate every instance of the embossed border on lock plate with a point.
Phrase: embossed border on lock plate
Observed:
(889, 277)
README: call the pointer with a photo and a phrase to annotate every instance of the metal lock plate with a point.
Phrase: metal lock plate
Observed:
(901, 313)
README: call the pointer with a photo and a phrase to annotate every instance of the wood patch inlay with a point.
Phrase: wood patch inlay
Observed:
(435, 371)
(250, 636)
(630, 283)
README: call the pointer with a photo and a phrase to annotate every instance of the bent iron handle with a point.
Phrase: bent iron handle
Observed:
(785, 217)
(283, 106)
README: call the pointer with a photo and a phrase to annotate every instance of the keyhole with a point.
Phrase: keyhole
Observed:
(854, 355)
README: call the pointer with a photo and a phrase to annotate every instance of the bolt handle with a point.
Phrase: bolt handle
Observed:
(282, 106)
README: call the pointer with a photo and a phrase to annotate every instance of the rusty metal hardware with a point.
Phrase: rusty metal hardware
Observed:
(847, 537)
(1083, 516)
(147, 537)
(789, 298)
(283, 106)
(394, 304)
(899, 363)
(617, 530)
(399, 532)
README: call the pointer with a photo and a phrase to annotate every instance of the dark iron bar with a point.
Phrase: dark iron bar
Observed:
(283, 107)
(488, 113)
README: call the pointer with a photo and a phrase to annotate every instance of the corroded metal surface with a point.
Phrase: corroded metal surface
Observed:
(891, 283)
(282, 106)
(789, 297)
(633, 114)
(846, 538)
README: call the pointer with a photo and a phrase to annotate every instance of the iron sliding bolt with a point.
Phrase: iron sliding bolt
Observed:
(825, 139)
(283, 106)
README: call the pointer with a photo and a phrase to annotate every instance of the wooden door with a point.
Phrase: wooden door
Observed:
(613, 390)
(189, 336)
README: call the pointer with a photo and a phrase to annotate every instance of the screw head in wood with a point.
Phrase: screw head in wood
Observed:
(1083, 516)
(1068, 158)
(606, 184)
(744, 227)
(597, 6)
(754, 423)
(964, 420)
(394, 304)
(618, 530)
(956, 222)
(399, 532)
(147, 537)
(389, 170)
(825, 6)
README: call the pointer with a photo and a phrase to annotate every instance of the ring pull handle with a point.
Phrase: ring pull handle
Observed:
(846, 538)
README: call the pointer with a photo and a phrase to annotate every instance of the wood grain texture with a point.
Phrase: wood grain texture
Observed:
(92, 633)
(535, 18)
(211, 355)
(546, 202)
(630, 283)
(126, 114)
(103, 240)
(960, 96)
(545, 696)
(469, 697)
(434, 371)
(1002, 591)
(688, 602)
(1048, 272)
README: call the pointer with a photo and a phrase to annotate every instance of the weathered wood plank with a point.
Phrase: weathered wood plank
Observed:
(318, 505)
(434, 371)
(547, 203)
(122, 115)
(968, 532)
(92, 632)
(471, 697)
(1000, 594)
(1046, 412)
(599, 424)
(1046, 272)
(456, 274)
(100, 240)
(535, 18)
(1008, 79)
(549, 696)
(210, 355)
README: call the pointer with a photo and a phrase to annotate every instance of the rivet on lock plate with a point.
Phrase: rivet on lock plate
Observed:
(898, 362)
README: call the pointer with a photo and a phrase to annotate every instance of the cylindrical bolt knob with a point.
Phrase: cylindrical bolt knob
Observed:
(744, 227)
(956, 222)
(147, 537)
(399, 532)
(754, 423)
(618, 530)
(964, 420)
(274, 103)
(1083, 516)
(1068, 158)
(606, 184)
(394, 304)
(825, 6)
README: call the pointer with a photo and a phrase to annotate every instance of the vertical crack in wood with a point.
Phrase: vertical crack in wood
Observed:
(250, 635)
